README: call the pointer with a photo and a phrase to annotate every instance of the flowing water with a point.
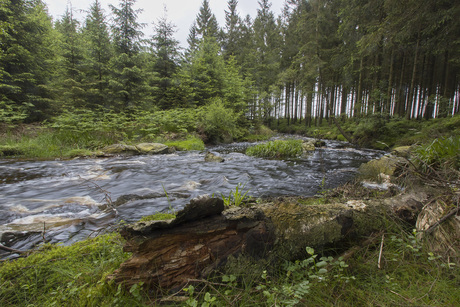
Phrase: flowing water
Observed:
(66, 201)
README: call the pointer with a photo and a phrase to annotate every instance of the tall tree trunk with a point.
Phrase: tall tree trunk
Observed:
(387, 107)
(400, 103)
(443, 112)
(296, 103)
(410, 102)
(309, 105)
(359, 100)
(343, 107)
(286, 102)
(429, 109)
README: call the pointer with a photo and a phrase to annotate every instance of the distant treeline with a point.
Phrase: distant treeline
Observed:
(319, 58)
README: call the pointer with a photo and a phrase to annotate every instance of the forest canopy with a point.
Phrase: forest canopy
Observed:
(317, 59)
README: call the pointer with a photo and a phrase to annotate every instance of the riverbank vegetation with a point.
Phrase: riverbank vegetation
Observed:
(278, 149)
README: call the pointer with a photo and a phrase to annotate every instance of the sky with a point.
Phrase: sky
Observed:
(182, 13)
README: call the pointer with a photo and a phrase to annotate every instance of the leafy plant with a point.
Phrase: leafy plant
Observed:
(235, 197)
(440, 153)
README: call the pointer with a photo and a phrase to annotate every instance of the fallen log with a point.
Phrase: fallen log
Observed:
(167, 254)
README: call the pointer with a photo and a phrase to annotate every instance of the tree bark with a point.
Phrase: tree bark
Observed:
(167, 254)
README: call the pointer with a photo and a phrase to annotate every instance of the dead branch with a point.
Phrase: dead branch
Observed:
(12, 250)
(444, 218)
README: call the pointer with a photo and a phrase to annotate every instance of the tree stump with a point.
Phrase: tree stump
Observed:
(167, 254)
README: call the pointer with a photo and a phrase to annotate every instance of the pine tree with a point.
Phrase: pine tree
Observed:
(126, 30)
(166, 64)
(99, 52)
(267, 43)
(206, 22)
(70, 74)
(207, 72)
(232, 35)
(130, 85)
(26, 58)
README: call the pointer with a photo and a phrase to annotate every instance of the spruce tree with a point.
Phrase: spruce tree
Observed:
(232, 34)
(206, 22)
(130, 84)
(26, 59)
(69, 76)
(99, 52)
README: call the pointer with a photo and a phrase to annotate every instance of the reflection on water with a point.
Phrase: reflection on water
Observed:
(69, 198)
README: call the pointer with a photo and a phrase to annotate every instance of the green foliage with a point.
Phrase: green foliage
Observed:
(218, 123)
(440, 153)
(235, 197)
(78, 131)
(11, 113)
(258, 133)
(191, 143)
(73, 275)
(277, 149)
(410, 274)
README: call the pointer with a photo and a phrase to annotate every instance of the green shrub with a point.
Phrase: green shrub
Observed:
(219, 123)
(276, 149)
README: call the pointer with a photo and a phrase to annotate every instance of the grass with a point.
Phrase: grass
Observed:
(276, 149)
(47, 142)
(410, 275)
(73, 275)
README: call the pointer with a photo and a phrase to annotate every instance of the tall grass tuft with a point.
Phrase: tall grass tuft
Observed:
(276, 149)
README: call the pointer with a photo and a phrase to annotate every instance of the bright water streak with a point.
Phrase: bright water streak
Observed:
(68, 198)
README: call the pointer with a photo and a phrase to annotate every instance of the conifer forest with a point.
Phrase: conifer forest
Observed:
(317, 59)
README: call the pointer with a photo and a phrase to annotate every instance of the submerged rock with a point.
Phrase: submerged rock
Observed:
(139, 149)
(210, 157)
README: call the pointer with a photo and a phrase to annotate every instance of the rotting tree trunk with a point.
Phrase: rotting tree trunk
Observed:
(167, 254)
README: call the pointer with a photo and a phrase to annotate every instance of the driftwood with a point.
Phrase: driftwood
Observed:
(168, 254)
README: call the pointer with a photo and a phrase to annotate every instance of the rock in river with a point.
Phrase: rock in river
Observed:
(152, 148)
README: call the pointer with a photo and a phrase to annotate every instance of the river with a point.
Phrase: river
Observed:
(66, 201)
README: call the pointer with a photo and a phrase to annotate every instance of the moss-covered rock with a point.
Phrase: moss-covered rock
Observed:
(152, 148)
(378, 169)
(402, 151)
(117, 149)
(308, 146)
(210, 157)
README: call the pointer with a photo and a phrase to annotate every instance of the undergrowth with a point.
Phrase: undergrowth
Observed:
(73, 275)
(409, 275)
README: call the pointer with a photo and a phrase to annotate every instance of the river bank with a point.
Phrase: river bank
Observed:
(407, 270)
